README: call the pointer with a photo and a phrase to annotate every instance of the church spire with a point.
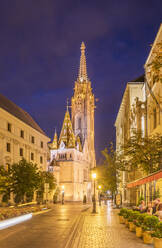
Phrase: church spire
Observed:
(54, 144)
(83, 68)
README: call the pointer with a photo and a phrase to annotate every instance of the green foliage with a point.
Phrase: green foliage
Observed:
(127, 214)
(141, 152)
(5, 184)
(158, 231)
(25, 180)
(45, 177)
(122, 211)
(150, 223)
(140, 219)
(133, 215)
(107, 172)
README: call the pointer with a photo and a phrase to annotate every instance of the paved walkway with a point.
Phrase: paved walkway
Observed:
(103, 230)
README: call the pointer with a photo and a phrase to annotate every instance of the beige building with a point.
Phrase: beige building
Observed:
(142, 110)
(131, 116)
(153, 73)
(20, 136)
(73, 154)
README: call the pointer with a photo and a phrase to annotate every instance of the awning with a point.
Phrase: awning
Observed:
(146, 179)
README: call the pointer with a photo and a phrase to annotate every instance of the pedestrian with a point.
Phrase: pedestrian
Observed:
(159, 212)
(149, 208)
(156, 204)
(142, 207)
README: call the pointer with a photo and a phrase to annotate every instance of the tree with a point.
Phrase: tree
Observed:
(25, 180)
(107, 172)
(45, 177)
(5, 183)
(140, 152)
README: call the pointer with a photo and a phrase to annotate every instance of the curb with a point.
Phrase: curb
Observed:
(41, 212)
(19, 219)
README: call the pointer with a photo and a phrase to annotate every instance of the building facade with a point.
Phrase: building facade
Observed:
(73, 154)
(20, 136)
(145, 115)
(131, 116)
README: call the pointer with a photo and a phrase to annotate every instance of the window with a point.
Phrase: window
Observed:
(9, 127)
(21, 152)
(41, 144)
(32, 139)
(8, 147)
(154, 116)
(41, 159)
(22, 134)
(32, 156)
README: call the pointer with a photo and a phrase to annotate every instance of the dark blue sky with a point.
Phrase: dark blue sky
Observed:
(40, 51)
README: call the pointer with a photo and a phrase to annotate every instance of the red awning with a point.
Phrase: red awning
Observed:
(144, 180)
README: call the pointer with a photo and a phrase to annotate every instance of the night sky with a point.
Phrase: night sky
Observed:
(40, 51)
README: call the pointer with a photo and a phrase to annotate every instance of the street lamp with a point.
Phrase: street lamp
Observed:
(63, 194)
(94, 198)
(99, 195)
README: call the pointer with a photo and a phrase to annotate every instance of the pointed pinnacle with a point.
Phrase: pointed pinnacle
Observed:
(82, 46)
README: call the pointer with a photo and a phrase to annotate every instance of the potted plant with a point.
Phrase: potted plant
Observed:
(126, 216)
(138, 224)
(157, 236)
(132, 217)
(149, 225)
(121, 215)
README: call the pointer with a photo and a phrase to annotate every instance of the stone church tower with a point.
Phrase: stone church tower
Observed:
(83, 108)
(73, 154)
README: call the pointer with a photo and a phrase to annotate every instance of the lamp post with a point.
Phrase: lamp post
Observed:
(99, 195)
(63, 194)
(94, 198)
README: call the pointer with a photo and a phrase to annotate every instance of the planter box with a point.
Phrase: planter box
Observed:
(139, 232)
(147, 239)
(126, 222)
(121, 219)
(131, 227)
(157, 242)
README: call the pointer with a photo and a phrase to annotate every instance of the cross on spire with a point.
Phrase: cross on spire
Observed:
(83, 68)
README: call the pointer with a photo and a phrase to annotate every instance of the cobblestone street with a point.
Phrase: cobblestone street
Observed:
(103, 230)
(72, 226)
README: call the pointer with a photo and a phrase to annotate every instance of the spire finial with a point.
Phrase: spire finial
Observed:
(83, 68)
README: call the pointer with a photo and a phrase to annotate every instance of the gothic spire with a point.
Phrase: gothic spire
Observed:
(54, 144)
(83, 68)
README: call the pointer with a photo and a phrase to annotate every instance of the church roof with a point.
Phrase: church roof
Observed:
(19, 113)
(67, 135)
(83, 67)
(139, 79)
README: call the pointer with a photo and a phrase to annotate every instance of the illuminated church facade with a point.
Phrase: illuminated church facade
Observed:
(72, 155)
